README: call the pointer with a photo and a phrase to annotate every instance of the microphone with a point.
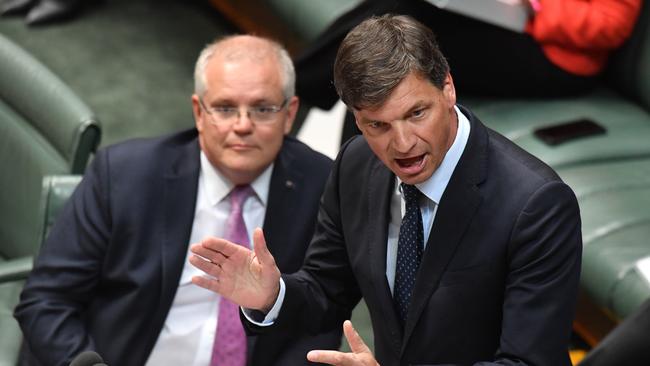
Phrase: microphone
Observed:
(88, 358)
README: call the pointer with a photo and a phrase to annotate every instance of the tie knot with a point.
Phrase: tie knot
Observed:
(238, 196)
(411, 193)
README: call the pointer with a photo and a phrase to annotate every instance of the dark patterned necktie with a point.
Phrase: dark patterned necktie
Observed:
(409, 250)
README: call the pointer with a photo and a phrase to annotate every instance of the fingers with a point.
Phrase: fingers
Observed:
(219, 245)
(212, 250)
(207, 255)
(328, 357)
(357, 345)
(262, 252)
(360, 355)
(209, 266)
(207, 283)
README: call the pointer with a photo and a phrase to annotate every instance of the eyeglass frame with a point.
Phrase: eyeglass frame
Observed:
(250, 113)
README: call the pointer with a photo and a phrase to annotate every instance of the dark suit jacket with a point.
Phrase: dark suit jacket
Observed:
(106, 277)
(499, 275)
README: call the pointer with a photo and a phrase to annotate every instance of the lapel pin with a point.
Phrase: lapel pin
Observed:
(289, 184)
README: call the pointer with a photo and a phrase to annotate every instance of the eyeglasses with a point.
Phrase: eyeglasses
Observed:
(228, 114)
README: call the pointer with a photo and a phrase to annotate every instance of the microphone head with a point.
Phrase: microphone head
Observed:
(87, 358)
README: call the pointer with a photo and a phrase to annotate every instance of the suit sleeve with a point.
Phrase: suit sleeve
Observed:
(66, 273)
(542, 282)
(323, 293)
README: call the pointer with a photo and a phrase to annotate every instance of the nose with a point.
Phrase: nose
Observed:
(403, 139)
(243, 124)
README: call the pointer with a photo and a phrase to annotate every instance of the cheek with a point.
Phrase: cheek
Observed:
(212, 139)
(271, 138)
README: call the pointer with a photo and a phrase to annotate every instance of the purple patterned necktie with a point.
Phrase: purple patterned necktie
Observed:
(229, 347)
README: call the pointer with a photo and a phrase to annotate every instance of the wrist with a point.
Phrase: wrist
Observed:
(268, 305)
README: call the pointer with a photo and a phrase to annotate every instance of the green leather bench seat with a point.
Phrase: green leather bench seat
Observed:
(627, 125)
(614, 198)
(55, 192)
(621, 104)
(31, 156)
(45, 128)
(10, 335)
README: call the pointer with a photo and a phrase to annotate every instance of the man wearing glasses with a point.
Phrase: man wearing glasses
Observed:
(113, 276)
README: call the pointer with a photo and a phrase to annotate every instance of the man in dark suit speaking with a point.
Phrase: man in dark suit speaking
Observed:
(113, 276)
(465, 248)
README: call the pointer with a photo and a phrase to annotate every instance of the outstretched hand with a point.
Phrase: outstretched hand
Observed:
(248, 278)
(360, 355)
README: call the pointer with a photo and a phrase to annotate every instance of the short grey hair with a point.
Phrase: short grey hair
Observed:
(379, 53)
(287, 70)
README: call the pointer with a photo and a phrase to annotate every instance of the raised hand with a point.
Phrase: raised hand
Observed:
(360, 355)
(248, 278)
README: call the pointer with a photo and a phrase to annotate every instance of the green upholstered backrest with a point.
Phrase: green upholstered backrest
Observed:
(44, 129)
(10, 334)
(627, 124)
(50, 106)
(25, 157)
(57, 189)
(614, 197)
(629, 69)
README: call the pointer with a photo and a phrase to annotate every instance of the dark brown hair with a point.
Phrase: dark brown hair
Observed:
(379, 53)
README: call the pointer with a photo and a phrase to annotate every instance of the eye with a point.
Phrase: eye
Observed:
(418, 113)
(263, 109)
(224, 109)
(377, 125)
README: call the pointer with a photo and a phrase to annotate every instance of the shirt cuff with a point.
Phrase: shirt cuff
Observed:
(256, 317)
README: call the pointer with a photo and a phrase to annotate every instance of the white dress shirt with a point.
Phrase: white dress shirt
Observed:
(432, 189)
(188, 333)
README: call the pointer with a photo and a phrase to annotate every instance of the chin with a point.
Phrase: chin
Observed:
(415, 179)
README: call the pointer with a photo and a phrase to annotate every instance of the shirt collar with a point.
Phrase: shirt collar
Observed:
(218, 187)
(435, 186)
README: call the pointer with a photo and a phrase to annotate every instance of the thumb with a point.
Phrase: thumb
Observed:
(354, 339)
(261, 250)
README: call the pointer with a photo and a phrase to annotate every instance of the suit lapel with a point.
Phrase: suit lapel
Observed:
(379, 195)
(282, 202)
(455, 213)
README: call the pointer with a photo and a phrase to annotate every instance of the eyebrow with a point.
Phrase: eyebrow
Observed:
(418, 105)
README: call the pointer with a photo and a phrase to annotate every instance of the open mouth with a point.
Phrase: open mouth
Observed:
(410, 163)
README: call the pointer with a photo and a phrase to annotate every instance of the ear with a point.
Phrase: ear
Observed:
(292, 110)
(449, 91)
(198, 112)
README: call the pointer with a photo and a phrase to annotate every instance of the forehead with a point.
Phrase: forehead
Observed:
(413, 91)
